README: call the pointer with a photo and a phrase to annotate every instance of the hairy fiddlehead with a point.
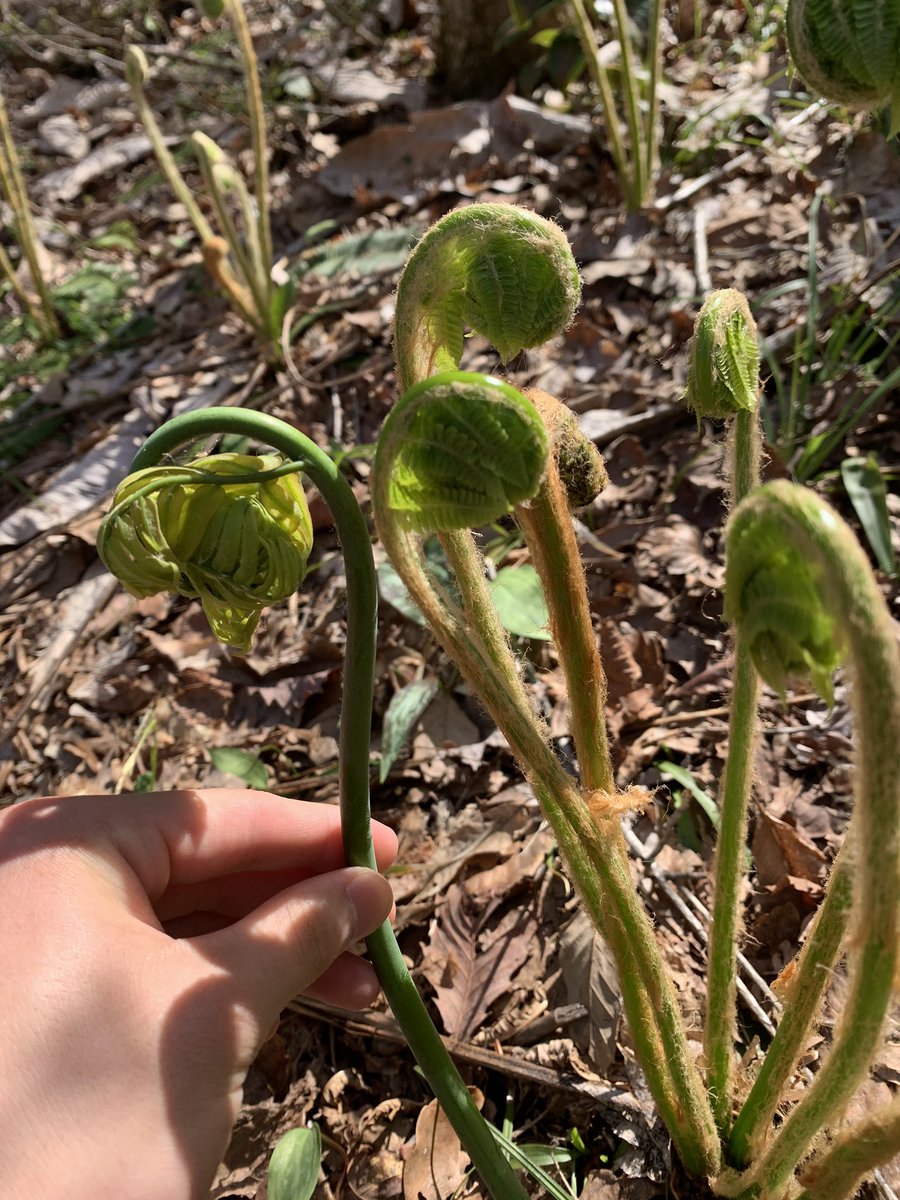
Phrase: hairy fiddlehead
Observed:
(505, 273)
(173, 526)
(468, 448)
(510, 275)
(723, 383)
(800, 586)
(849, 51)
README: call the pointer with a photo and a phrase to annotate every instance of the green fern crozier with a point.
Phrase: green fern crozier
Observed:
(849, 51)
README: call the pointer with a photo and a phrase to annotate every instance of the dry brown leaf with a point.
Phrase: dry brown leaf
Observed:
(780, 850)
(590, 978)
(466, 978)
(438, 1164)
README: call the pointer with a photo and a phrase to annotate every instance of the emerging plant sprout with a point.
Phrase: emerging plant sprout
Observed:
(849, 51)
(230, 530)
(462, 449)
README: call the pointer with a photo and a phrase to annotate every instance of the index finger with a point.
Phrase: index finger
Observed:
(170, 838)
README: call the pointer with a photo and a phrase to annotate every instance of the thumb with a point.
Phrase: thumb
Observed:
(282, 947)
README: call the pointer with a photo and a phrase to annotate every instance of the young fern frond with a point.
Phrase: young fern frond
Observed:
(190, 529)
(849, 51)
(465, 448)
(503, 272)
(723, 383)
(510, 276)
(778, 536)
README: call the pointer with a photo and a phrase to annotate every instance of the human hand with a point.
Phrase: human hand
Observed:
(148, 944)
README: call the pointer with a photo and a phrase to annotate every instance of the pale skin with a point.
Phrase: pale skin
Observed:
(148, 945)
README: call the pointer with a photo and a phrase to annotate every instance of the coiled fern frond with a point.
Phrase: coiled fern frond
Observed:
(501, 271)
(237, 546)
(463, 448)
(849, 51)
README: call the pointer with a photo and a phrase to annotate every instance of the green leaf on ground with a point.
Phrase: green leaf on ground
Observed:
(868, 495)
(520, 602)
(242, 764)
(294, 1165)
(403, 712)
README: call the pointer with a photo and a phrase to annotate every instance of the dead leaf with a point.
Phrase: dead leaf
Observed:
(675, 548)
(467, 979)
(63, 135)
(438, 1164)
(780, 850)
(590, 978)
(67, 183)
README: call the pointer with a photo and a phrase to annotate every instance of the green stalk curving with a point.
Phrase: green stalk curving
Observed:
(799, 587)
(356, 713)
(510, 276)
(859, 1150)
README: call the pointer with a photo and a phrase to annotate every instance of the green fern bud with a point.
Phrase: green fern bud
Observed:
(849, 51)
(136, 68)
(723, 359)
(458, 450)
(504, 272)
(212, 8)
(774, 594)
(237, 547)
(582, 470)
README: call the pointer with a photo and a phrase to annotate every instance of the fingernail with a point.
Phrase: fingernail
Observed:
(371, 896)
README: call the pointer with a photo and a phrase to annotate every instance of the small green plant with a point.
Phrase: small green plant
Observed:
(239, 255)
(848, 343)
(461, 450)
(634, 155)
(12, 187)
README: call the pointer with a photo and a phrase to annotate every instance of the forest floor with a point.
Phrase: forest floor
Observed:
(101, 693)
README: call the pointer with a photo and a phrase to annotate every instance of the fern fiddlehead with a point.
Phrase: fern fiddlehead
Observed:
(849, 51)
(798, 582)
(723, 383)
(187, 529)
(505, 273)
(510, 276)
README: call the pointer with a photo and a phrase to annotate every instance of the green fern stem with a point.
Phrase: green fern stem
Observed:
(783, 533)
(651, 1005)
(859, 1150)
(456, 453)
(723, 383)
(356, 714)
(593, 849)
(803, 991)
(136, 70)
(588, 40)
